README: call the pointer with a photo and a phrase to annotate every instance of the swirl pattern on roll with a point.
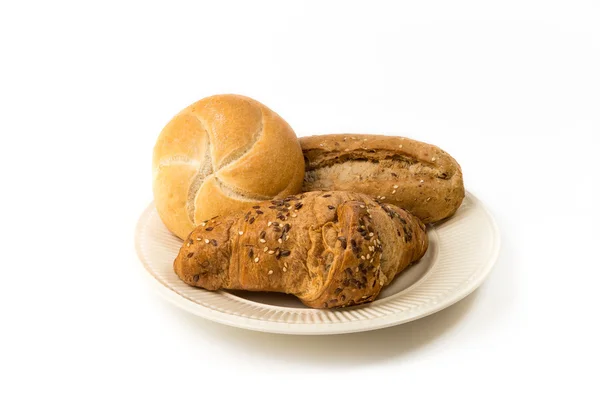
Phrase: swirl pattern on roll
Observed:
(221, 154)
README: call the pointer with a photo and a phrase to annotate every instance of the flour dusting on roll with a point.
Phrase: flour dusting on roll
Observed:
(416, 176)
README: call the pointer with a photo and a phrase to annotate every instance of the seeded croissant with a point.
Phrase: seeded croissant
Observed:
(330, 249)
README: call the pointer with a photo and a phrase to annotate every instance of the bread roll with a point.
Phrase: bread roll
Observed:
(220, 154)
(415, 176)
(330, 249)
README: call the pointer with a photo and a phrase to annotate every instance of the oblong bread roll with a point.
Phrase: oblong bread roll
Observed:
(415, 176)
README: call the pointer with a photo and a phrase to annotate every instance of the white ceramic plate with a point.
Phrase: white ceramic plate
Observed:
(461, 253)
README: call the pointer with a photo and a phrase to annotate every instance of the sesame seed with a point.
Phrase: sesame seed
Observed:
(262, 240)
(362, 257)
(380, 282)
(321, 145)
(199, 238)
(265, 249)
(394, 192)
(270, 272)
(395, 186)
(203, 224)
(284, 269)
(269, 224)
(433, 159)
(188, 244)
(382, 198)
(400, 146)
(362, 206)
(364, 297)
(294, 215)
(347, 149)
(206, 240)
(240, 232)
(280, 240)
(422, 181)
(256, 260)
(368, 256)
(428, 199)
(271, 252)
(370, 234)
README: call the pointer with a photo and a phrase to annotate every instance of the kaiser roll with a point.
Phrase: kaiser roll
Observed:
(222, 154)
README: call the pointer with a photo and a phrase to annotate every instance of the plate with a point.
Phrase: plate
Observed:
(462, 251)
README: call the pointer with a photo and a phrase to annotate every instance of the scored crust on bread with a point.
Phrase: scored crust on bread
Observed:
(415, 176)
(220, 154)
(330, 249)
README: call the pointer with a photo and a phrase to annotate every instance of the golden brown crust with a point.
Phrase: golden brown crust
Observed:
(217, 155)
(330, 249)
(415, 176)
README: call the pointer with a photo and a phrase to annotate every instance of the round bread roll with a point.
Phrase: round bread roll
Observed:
(221, 154)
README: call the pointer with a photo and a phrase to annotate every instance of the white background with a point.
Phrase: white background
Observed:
(510, 88)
